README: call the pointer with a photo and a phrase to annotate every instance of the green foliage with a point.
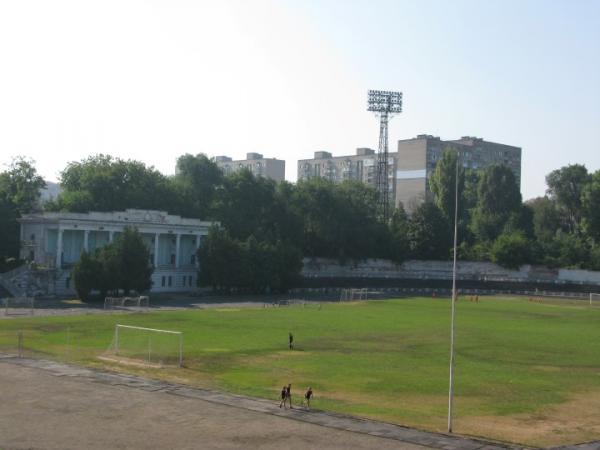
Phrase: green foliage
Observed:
(399, 248)
(19, 194)
(546, 218)
(590, 203)
(429, 233)
(122, 265)
(498, 198)
(565, 186)
(340, 220)
(251, 265)
(511, 250)
(197, 180)
(443, 185)
(104, 183)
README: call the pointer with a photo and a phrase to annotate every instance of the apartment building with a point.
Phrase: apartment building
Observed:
(410, 167)
(260, 166)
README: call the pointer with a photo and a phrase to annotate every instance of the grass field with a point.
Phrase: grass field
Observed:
(525, 372)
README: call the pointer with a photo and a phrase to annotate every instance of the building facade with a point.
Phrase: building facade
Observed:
(55, 241)
(411, 166)
(255, 162)
(417, 158)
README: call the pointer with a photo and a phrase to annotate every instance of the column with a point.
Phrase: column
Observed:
(156, 249)
(59, 248)
(177, 247)
(198, 239)
(86, 240)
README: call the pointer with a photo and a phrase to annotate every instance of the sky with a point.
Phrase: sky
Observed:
(152, 80)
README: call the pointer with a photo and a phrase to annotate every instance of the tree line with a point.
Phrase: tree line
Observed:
(265, 228)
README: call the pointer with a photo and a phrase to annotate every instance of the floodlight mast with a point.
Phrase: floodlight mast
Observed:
(384, 104)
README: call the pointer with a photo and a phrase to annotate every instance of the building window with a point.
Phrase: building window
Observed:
(190, 280)
(193, 259)
(163, 282)
(32, 237)
(170, 281)
(68, 282)
(172, 258)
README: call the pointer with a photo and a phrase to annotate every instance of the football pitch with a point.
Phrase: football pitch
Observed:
(526, 372)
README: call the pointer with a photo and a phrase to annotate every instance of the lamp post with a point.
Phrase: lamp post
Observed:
(451, 389)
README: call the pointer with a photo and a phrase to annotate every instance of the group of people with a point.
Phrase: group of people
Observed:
(286, 397)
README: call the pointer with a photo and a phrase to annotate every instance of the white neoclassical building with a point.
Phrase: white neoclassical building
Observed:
(55, 240)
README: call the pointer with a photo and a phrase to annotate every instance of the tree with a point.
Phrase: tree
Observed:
(590, 202)
(251, 265)
(87, 275)
(197, 180)
(443, 185)
(399, 247)
(565, 186)
(122, 265)
(511, 250)
(546, 218)
(104, 183)
(429, 234)
(21, 185)
(498, 197)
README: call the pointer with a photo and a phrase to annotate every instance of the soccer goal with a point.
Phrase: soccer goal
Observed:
(348, 295)
(19, 306)
(594, 298)
(125, 302)
(147, 346)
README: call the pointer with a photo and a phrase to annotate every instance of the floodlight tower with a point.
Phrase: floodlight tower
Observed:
(384, 104)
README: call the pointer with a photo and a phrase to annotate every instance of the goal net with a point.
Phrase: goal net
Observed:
(125, 302)
(348, 295)
(146, 346)
(18, 306)
(594, 298)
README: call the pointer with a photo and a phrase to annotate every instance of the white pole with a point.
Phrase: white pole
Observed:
(590, 299)
(180, 350)
(451, 390)
(117, 340)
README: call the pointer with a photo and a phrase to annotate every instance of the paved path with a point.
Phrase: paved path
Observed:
(53, 405)
(49, 405)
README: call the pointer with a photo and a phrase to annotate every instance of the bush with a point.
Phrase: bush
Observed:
(511, 250)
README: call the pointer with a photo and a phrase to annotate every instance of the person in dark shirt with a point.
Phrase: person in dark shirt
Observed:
(283, 396)
(308, 396)
(291, 339)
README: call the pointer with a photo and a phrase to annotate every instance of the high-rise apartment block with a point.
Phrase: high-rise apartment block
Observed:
(411, 166)
(261, 167)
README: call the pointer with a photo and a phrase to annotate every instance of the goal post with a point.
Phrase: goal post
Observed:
(352, 294)
(594, 297)
(148, 345)
(16, 306)
(142, 301)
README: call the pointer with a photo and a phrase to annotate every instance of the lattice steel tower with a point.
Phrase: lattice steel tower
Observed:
(384, 104)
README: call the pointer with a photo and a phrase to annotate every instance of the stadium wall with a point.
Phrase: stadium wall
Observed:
(428, 271)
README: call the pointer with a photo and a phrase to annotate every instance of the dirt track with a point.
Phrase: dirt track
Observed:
(39, 410)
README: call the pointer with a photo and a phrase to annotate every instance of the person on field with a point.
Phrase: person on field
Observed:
(283, 396)
(291, 339)
(308, 396)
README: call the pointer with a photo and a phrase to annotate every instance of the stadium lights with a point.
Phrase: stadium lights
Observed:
(384, 102)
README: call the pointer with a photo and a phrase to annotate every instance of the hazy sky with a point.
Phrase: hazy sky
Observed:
(153, 80)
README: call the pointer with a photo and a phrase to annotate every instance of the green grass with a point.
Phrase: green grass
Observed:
(381, 359)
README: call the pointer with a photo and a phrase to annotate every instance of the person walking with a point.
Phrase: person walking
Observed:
(307, 396)
(283, 396)
(291, 340)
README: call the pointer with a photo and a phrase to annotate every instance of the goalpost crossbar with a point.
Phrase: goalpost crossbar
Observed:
(154, 330)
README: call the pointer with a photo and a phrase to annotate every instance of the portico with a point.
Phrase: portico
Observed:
(56, 240)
